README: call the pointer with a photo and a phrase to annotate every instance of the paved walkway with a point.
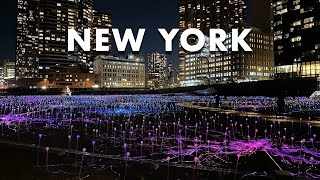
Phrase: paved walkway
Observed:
(268, 117)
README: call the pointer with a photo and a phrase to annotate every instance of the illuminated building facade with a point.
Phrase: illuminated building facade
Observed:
(42, 42)
(296, 38)
(158, 72)
(27, 51)
(7, 72)
(71, 78)
(257, 65)
(9, 69)
(208, 14)
(116, 72)
(101, 21)
(55, 18)
(1, 76)
(232, 67)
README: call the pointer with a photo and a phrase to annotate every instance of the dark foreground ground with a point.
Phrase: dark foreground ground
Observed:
(20, 163)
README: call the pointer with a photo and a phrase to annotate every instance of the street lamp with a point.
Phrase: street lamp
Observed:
(46, 83)
(86, 83)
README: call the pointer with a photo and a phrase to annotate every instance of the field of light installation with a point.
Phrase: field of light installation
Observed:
(93, 133)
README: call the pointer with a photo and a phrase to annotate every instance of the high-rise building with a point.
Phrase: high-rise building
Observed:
(296, 38)
(27, 51)
(208, 67)
(157, 70)
(101, 21)
(42, 30)
(116, 72)
(55, 18)
(208, 14)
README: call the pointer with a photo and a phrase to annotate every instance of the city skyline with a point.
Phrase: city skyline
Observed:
(212, 89)
(149, 17)
(42, 36)
(141, 14)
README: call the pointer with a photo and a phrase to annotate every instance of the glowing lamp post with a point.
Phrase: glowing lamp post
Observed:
(78, 136)
(47, 155)
(40, 136)
(238, 157)
(83, 152)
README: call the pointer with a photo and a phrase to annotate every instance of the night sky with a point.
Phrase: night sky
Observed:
(149, 14)
(136, 14)
(8, 30)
